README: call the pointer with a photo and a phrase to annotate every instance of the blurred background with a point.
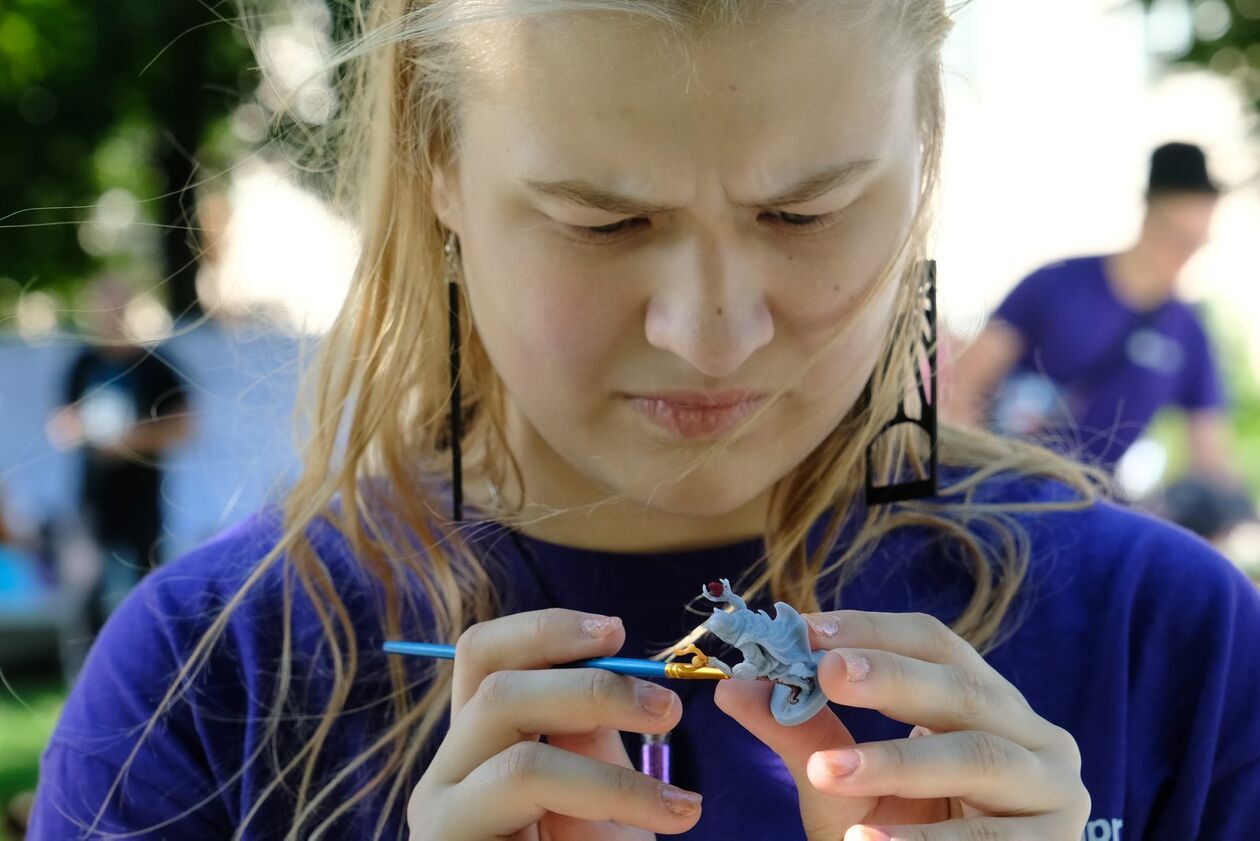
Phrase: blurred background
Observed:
(152, 192)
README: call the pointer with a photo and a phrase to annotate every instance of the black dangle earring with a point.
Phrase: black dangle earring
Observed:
(456, 415)
(919, 488)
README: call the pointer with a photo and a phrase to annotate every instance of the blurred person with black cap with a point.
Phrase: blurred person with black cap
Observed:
(125, 406)
(1083, 353)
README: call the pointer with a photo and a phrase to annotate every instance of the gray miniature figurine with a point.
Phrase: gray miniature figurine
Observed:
(775, 649)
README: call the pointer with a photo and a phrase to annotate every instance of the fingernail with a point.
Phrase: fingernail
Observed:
(600, 628)
(869, 834)
(919, 730)
(680, 802)
(856, 666)
(657, 700)
(842, 763)
(825, 626)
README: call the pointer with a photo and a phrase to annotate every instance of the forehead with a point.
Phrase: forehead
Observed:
(769, 95)
(1184, 205)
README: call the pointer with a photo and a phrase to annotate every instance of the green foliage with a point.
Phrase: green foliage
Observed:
(1236, 51)
(1243, 391)
(25, 727)
(99, 96)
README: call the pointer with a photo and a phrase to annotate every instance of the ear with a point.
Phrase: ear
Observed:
(446, 198)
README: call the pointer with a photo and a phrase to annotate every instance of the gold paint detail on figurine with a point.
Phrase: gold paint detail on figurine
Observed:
(698, 668)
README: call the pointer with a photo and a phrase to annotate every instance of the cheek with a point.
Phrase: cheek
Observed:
(839, 340)
(846, 364)
(832, 281)
(846, 312)
(548, 322)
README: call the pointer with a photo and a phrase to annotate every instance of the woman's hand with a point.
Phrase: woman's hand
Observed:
(978, 764)
(492, 777)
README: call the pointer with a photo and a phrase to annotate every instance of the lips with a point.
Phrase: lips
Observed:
(697, 414)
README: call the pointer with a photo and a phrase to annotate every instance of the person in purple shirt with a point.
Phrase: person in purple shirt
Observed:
(645, 301)
(1084, 352)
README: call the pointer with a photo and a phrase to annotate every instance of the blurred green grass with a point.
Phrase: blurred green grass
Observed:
(28, 712)
(1242, 387)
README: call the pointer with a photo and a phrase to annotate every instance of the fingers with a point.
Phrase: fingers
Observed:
(517, 787)
(604, 745)
(913, 668)
(748, 702)
(989, 773)
(971, 829)
(513, 705)
(492, 777)
(940, 697)
(916, 635)
(822, 815)
(535, 640)
(976, 737)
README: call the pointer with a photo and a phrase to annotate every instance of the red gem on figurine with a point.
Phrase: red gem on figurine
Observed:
(716, 589)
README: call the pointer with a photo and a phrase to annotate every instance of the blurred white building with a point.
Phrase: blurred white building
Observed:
(1053, 111)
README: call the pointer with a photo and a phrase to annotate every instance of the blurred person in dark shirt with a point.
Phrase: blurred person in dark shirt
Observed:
(1083, 353)
(125, 405)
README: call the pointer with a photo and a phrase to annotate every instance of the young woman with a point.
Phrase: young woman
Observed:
(685, 250)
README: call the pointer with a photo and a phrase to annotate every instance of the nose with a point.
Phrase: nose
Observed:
(709, 308)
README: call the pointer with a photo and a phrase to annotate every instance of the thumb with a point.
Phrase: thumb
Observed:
(824, 816)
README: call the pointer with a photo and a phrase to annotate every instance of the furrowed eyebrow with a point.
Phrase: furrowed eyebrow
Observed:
(585, 194)
(820, 183)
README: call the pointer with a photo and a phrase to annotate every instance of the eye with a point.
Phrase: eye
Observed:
(799, 222)
(609, 233)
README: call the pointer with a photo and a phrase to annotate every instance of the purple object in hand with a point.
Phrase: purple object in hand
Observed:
(654, 756)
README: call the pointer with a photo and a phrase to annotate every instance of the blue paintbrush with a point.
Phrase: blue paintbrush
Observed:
(677, 670)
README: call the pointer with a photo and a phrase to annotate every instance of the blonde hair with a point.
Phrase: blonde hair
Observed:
(379, 404)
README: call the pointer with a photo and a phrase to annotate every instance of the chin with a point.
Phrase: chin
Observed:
(703, 494)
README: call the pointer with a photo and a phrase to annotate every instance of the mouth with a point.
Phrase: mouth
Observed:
(693, 415)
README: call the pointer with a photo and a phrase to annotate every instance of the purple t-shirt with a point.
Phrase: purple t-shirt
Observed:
(1133, 635)
(1071, 321)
